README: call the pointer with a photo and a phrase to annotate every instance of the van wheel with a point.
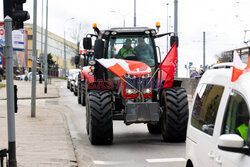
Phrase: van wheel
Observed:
(189, 163)
(174, 118)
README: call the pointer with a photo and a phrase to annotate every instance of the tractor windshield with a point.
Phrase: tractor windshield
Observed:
(132, 48)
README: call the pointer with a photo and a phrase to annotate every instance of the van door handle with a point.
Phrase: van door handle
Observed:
(211, 155)
(218, 160)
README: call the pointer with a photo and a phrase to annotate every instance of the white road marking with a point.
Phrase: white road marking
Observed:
(159, 160)
(97, 162)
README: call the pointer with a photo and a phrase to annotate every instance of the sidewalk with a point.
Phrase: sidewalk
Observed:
(24, 90)
(43, 141)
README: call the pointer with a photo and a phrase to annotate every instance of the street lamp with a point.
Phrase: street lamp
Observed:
(65, 63)
(121, 15)
(167, 26)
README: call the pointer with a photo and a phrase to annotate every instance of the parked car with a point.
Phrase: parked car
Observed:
(75, 84)
(20, 77)
(70, 78)
(37, 76)
(218, 132)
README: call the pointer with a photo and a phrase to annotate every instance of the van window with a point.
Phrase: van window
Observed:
(205, 107)
(237, 116)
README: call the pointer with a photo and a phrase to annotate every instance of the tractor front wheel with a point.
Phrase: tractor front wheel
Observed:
(99, 117)
(154, 128)
(174, 118)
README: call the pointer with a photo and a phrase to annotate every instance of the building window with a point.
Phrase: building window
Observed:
(205, 107)
(30, 37)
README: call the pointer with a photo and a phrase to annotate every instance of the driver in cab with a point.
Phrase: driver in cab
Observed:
(126, 52)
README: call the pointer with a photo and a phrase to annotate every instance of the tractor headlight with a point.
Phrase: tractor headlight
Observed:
(129, 76)
(147, 75)
(147, 91)
(131, 91)
(92, 62)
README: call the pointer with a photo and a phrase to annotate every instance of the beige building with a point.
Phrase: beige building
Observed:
(55, 47)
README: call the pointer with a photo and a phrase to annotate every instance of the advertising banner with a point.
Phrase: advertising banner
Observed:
(18, 39)
(2, 41)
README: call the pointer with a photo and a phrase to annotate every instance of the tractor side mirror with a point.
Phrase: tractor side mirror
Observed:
(174, 39)
(87, 43)
(77, 59)
(98, 50)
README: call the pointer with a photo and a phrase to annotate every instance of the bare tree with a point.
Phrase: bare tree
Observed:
(224, 57)
(78, 32)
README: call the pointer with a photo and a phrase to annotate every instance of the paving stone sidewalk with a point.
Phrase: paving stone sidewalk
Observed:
(43, 141)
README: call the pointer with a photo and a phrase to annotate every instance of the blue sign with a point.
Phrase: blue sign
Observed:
(1, 59)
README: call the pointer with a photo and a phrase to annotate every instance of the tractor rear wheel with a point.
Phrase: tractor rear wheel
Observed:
(99, 117)
(83, 94)
(175, 114)
(79, 93)
(154, 128)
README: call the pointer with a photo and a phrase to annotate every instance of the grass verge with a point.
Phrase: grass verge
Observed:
(2, 85)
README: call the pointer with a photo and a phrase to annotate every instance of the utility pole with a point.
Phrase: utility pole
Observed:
(10, 91)
(42, 62)
(45, 51)
(34, 64)
(176, 29)
(134, 13)
(167, 28)
(204, 50)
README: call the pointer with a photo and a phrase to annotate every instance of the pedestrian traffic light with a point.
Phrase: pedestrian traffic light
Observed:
(14, 9)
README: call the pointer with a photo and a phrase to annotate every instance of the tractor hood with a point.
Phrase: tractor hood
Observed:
(121, 67)
(138, 68)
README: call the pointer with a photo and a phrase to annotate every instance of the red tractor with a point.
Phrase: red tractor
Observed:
(136, 97)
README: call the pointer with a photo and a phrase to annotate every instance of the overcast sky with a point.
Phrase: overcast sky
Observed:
(224, 22)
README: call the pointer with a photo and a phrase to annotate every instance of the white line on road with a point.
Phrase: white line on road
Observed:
(97, 162)
(159, 160)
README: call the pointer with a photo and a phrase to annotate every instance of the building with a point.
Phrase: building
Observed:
(243, 52)
(55, 47)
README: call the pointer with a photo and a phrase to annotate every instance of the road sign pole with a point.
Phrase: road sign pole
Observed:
(34, 64)
(10, 92)
(45, 52)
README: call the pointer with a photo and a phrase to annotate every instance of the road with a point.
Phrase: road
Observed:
(132, 145)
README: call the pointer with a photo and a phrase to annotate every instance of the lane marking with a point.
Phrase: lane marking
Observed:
(159, 160)
(97, 162)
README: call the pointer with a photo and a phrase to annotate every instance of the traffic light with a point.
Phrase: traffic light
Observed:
(14, 9)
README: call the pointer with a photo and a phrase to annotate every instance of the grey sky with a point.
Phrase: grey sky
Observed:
(224, 21)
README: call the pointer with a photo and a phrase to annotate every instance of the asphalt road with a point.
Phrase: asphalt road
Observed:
(132, 145)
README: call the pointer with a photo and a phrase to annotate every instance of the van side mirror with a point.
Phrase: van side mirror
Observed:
(232, 143)
(87, 43)
(174, 39)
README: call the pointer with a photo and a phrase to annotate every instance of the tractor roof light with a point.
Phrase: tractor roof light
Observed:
(158, 25)
(94, 25)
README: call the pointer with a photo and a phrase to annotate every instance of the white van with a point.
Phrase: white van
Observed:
(218, 133)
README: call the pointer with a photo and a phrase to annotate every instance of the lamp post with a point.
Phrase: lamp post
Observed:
(167, 27)
(121, 15)
(65, 63)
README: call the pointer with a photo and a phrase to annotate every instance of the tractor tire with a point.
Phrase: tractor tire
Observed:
(83, 94)
(79, 93)
(154, 128)
(99, 117)
(75, 92)
(67, 85)
(174, 118)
